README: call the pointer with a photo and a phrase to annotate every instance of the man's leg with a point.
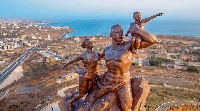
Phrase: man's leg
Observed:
(125, 97)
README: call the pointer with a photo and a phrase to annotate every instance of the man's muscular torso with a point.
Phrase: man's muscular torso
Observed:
(118, 59)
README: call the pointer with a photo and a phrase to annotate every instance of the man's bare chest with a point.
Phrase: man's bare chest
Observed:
(120, 54)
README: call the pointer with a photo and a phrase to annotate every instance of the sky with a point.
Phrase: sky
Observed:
(97, 9)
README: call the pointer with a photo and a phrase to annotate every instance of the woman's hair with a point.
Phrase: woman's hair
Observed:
(114, 27)
(83, 44)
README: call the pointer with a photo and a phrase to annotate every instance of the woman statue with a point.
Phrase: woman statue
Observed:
(89, 73)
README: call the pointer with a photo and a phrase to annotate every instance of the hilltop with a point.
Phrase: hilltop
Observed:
(165, 65)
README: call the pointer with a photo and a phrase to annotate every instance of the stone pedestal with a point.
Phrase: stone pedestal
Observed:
(109, 102)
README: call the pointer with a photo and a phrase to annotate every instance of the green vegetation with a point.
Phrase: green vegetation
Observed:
(158, 96)
(26, 73)
(196, 52)
(173, 56)
(192, 69)
(198, 59)
(157, 61)
(133, 64)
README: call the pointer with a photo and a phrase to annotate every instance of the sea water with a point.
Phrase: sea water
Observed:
(102, 27)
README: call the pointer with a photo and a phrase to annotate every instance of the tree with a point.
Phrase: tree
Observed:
(192, 69)
(195, 52)
(155, 61)
(198, 59)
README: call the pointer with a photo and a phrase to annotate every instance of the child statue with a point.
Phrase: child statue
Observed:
(141, 24)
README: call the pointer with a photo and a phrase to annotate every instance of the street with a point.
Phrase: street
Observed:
(7, 71)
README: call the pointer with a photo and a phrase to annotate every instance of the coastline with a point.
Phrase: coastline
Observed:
(157, 35)
(102, 27)
(69, 32)
(62, 35)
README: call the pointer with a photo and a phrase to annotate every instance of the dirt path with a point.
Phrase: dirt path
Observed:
(24, 89)
(181, 82)
(61, 92)
(165, 106)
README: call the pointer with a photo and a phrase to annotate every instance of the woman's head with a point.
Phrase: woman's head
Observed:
(87, 43)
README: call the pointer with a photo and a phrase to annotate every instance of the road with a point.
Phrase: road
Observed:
(7, 71)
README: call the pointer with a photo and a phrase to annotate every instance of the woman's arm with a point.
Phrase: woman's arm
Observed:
(79, 57)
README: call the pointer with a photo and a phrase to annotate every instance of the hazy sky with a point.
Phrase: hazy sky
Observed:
(97, 9)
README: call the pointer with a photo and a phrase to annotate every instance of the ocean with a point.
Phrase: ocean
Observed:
(155, 26)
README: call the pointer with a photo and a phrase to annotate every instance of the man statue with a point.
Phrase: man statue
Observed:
(118, 58)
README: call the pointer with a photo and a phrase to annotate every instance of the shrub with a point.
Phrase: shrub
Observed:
(198, 59)
(192, 69)
(155, 62)
(133, 64)
(196, 52)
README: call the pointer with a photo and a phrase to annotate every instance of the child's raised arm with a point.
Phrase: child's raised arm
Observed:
(151, 17)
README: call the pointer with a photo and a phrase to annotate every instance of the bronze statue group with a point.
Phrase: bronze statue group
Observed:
(118, 58)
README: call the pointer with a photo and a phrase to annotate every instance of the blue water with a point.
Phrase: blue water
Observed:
(102, 27)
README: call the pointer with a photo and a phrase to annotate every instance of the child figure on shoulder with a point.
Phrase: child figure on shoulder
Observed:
(141, 24)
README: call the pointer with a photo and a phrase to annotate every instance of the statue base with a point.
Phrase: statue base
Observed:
(109, 102)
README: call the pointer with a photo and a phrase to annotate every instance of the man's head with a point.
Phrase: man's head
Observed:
(87, 43)
(116, 33)
(137, 16)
